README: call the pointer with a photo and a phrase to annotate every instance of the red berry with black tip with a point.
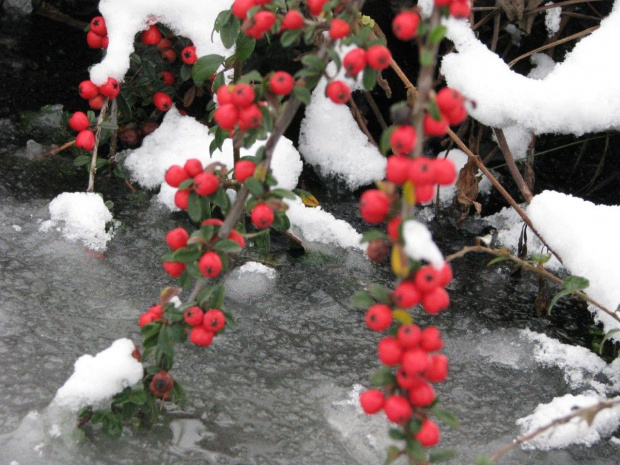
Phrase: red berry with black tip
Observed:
(88, 90)
(177, 238)
(244, 169)
(424, 193)
(237, 237)
(406, 295)
(405, 25)
(162, 101)
(210, 264)
(426, 278)
(193, 167)
(281, 83)
(409, 336)
(316, 6)
(448, 99)
(374, 206)
(428, 435)
(110, 89)
(431, 339)
(200, 336)
(206, 184)
(262, 216)
(436, 301)
(422, 171)
(379, 57)
(243, 95)
(460, 8)
(146, 318)
(355, 61)
(223, 96)
(250, 117)
(175, 175)
(339, 29)
(390, 351)
(434, 127)
(338, 92)
(157, 310)
(379, 317)
(169, 56)
(372, 401)
(85, 140)
(97, 25)
(188, 55)
(193, 316)
(181, 198)
(456, 116)
(79, 121)
(226, 116)
(292, 20)
(167, 77)
(174, 269)
(397, 409)
(214, 320)
(403, 139)
(151, 36)
(407, 380)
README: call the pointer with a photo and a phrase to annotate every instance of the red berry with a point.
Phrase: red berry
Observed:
(206, 184)
(88, 90)
(422, 171)
(169, 56)
(262, 216)
(146, 318)
(223, 96)
(445, 275)
(226, 116)
(167, 77)
(188, 55)
(409, 336)
(316, 6)
(110, 89)
(355, 61)
(177, 238)
(210, 264)
(240, 8)
(393, 227)
(237, 237)
(250, 117)
(260, 24)
(193, 167)
(442, 2)
(214, 320)
(390, 351)
(162, 101)
(85, 140)
(163, 45)
(175, 175)
(200, 336)
(448, 99)
(438, 371)
(181, 198)
(397, 169)
(426, 279)
(403, 139)
(372, 401)
(408, 380)
(292, 20)
(424, 193)
(243, 95)
(374, 206)
(96, 103)
(436, 301)
(79, 121)
(460, 8)
(105, 41)
(151, 36)
(397, 409)
(445, 171)
(456, 116)
(406, 295)
(428, 435)
(431, 339)
(281, 83)
(97, 25)
(244, 169)
(161, 384)
(212, 222)
(94, 40)
(415, 361)
(422, 395)
(379, 57)
(432, 127)
(157, 311)
(405, 25)
(338, 92)
(174, 269)
(379, 317)
(339, 29)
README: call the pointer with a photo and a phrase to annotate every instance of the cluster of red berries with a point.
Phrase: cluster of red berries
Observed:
(261, 22)
(236, 107)
(204, 182)
(205, 325)
(96, 95)
(155, 313)
(97, 36)
(86, 138)
(153, 36)
(452, 111)
(457, 8)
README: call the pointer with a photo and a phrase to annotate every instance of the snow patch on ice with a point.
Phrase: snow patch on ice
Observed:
(250, 281)
(419, 244)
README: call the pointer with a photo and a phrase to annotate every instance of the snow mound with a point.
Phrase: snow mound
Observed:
(97, 379)
(124, 18)
(419, 244)
(250, 281)
(551, 105)
(81, 216)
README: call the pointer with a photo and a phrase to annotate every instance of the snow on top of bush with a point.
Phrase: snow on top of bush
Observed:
(577, 430)
(180, 138)
(96, 379)
(580, 95)
(419, 244)
(81, 216)
(585, 235)
(331, 139)
(193, 19)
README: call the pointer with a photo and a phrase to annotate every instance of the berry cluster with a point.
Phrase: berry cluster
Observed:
(456, 8)
(96, 95)
(153, 36)
(205, 325)
(203, 182)
(86, 138)
(97, 36)
(451, 111)
(236, 107)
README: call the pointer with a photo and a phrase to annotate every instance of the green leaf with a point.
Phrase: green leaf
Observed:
(569, 285)
(385, 140)
(434, 111)
(137, 396)
(302, 94)
(150, 329)
(426, 58)
(212, 297)
(112, 425)
(281, 222)
(497, 260)
(194, 207)
(382, 377)
(283, 194)
(373, 235)
(446, 416)
(415, 426)
(227, 246)
(177, 395)
(369, 78)
(220, 199)
(206, 67)
(313, 62)
(540, 258)
(186, 254)
(222, 18)
(81, 160)
(255, 187)
(290, 37)
(108, 125)
(415, 449)
(482, 460)
(442, 455)
(245, 47)
(361, 299)
(396, 434)
(379, 292)
(230, 31)
(186, 184)
(437, 35)
(177, 332)
(393, 453)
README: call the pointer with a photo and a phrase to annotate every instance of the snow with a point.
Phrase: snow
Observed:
(124, 18)
(551, 105)
(585, 236)
(577, 430)
(515, 34)
(553, 16)
(419, 244)
(81, 216)
(96, 379)
(249, 281)
(17, 7)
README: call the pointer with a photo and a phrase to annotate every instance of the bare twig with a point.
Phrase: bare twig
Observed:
(93, 159)
(512, 167)
(56, 150)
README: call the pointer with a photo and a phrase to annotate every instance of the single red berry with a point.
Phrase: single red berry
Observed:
(338, 92)
(406, 295)
(379, 317)
(292, 20)
(161, 384)
(316, 6)
(88, 90)
(397, 409)
(460, 8)
(372, 401)
(262, 216)
(175, 175)
(163, 45)
(448, 99)
(174, 269)
(237, 237)
(259, 24)
(96, 103)
(188, 55)
(214, 320)
(177, 238)
(79, 121)
(223, 96)
(212, 222)
(379, 57)
(281, 83)
(240, 8)
(94, 40)
(390, 351)
(409, 336)
(378, 250)
(431, 339)
(85, 140)
(162, 101)
(339, 29)
(200, 336)
(181, 198)
(405, 25)
(110, 89)
(243, 95)
(438, 371)
(157, 310)
(193, 167)
(426, 279)
(250, 117)
(97, 25)
(146, 318)
(456, 116)
(424, 193)
(445, 171)
(436, 301)
(151, 36)
(355, 61)
(397, 169)
(422, 171)
(167, 77)
(407, 380)
(193, 316)
(445, 275)
(244, 169)
(226, 116)
(105, 41)
(403, 139)
(422, 395)
(428, 435)
(206, 183)
(210, 264)
(374, 206)
(393, 227)
(432, 127)
(169, 56)
(415, 361)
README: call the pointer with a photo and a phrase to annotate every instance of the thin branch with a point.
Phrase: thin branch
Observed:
(375, 109)
(512, 167)
(56, 150)
(357, 114)
(93, 159)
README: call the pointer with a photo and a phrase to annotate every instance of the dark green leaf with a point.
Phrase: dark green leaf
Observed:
(379, 292)
(230, 31)
(396, 434)
(283, 194)
(187, 254)
(185, 72)
(227, 246)
(252, 76)
(150, 329)
(446, 416)
(245, 47)
(177, 394)
(361, 299)
(385, 140)
(302, 94)
(314, 62)
(442, 455)
(434, 111)
(392, 454)
(81, 160)
(220, 198)
(108, 125)
(369, 78)
(254, 186)
(415, 449)
(186, 184)
(290, 37)
(222, 18)
(194, 207)
(177, 332)
(415, 426)
(137, 396)
(382, 377)
(373, 235)
(281, 222)
(206, 67)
